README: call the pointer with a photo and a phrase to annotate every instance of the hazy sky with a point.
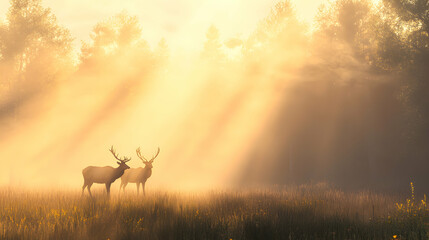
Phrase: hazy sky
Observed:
(176, 96)
(181, 22)
(273, 115)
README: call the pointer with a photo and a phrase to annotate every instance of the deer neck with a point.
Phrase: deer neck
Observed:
(118, 172)
(148, 171)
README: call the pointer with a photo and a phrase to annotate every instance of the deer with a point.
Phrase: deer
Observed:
(104, 175)
(138, 175)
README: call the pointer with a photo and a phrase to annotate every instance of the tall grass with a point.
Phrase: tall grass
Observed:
(304, 212)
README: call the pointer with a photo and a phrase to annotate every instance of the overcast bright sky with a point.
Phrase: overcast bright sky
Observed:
(181, 22)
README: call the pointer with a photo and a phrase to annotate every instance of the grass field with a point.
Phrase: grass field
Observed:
(304, 212)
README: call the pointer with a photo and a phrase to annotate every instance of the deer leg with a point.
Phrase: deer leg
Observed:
(125, 184)
(89, 189)
(84, 186)
(138, 187)
(121, 186)
(144, 193)
(108, 189)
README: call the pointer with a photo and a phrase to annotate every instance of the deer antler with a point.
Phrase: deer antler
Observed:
(124, 160)
(156, 155)
(143, 158)
(140, 155)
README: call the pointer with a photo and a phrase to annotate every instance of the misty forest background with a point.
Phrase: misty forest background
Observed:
(348, 101)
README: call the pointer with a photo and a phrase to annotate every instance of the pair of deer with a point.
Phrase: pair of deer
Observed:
(107, 175)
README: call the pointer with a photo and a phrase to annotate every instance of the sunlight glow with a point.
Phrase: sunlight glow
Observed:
(207, 95)
(181, 22)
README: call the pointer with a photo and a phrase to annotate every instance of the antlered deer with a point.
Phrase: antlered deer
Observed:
(106, 175)
(138, 175)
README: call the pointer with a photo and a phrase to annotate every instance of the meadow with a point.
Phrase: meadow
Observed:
(294, 212)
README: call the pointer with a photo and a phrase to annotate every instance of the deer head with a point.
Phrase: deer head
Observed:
(121, 161)
(144, 160)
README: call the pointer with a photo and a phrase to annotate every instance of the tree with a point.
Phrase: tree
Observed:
(35, 52)
(31, 32)
(212, 51)
(162, 52)
(412, 28)
(117, 47)
(277, 45)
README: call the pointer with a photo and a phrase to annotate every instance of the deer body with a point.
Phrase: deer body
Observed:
(138, 175)
(102, 174)
(106, 175)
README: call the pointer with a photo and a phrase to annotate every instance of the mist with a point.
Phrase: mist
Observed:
(339, 100)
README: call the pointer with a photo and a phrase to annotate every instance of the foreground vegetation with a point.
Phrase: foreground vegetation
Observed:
(305, 212)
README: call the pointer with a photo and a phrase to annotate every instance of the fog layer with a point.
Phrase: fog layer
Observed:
(344, 102)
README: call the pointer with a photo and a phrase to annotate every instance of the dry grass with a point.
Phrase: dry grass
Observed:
(306, 212)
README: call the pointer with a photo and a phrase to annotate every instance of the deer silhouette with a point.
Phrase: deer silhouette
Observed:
(138, 175)
(104, 175)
